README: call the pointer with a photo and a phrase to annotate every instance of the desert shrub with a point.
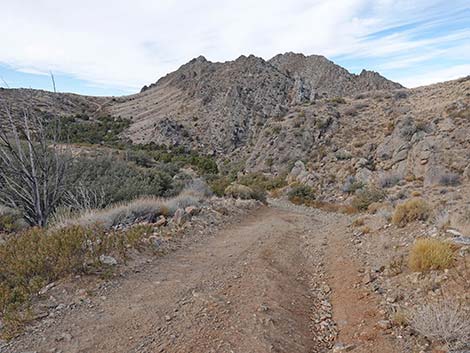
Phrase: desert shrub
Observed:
(301, 194)
(141, 158)
(385, 214)
(10, 220)
(106, 129)
(219, 184)
(199, 187)
(154, 155)
(358, 222)
(38, 256)
(449, 179)
(142, 209)
(442, 219)
(388, 180)
(430, 254)
(259, 194)
(262, 181)
(343, 155)
(415, 209)
(338, 100)
(32, 259)
(363, 198)
(135, 234)
(400, 95)
(244, 192)
(351, 184)
(80, 197)
(332, 207)
(444, 321)
(119, 181)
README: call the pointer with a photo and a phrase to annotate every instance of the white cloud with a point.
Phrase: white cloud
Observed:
(127, 44)
(434, 76)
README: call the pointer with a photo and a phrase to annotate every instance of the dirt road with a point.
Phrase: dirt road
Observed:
(265, 284)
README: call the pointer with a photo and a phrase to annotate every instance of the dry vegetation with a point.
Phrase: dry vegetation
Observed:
(445, 321)
(75, 244)
(431, 254)
(411, 210)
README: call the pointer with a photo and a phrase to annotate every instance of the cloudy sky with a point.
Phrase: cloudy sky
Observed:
(113, 47)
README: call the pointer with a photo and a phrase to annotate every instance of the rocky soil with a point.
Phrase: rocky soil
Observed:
(276, 279)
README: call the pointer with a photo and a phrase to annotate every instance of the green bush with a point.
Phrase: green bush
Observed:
(10, 220)
(219, 184)
(244, 192)
(301, 194)
(150, 154)
(363, 198)
(265, 182)
(120, 180)
(80, 129)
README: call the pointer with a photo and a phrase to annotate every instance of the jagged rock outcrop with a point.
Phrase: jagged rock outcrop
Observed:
(321, 76)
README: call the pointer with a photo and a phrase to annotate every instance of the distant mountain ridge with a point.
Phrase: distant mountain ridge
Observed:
(217, 107)
(317, 74)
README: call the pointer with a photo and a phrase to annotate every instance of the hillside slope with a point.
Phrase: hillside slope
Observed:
(257, 115)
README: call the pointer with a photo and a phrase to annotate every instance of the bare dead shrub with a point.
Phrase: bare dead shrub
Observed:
(445, 321)
(32, 170)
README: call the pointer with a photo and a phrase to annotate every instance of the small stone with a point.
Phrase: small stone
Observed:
(384, 324)
(108, 260)
(67, 337)
(192, 210)
(341, 347)
(368, 278)
(167, 318)
(325, 288)
(161, 222)
(454, 232)
(47, 288)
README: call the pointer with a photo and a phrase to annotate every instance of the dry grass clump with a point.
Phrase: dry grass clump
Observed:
(444, 321)
(332, 207)
(430, 254)
(359, 222)
(415, 209)
(142, 209)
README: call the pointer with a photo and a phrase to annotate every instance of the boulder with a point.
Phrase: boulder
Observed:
(299, 168)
